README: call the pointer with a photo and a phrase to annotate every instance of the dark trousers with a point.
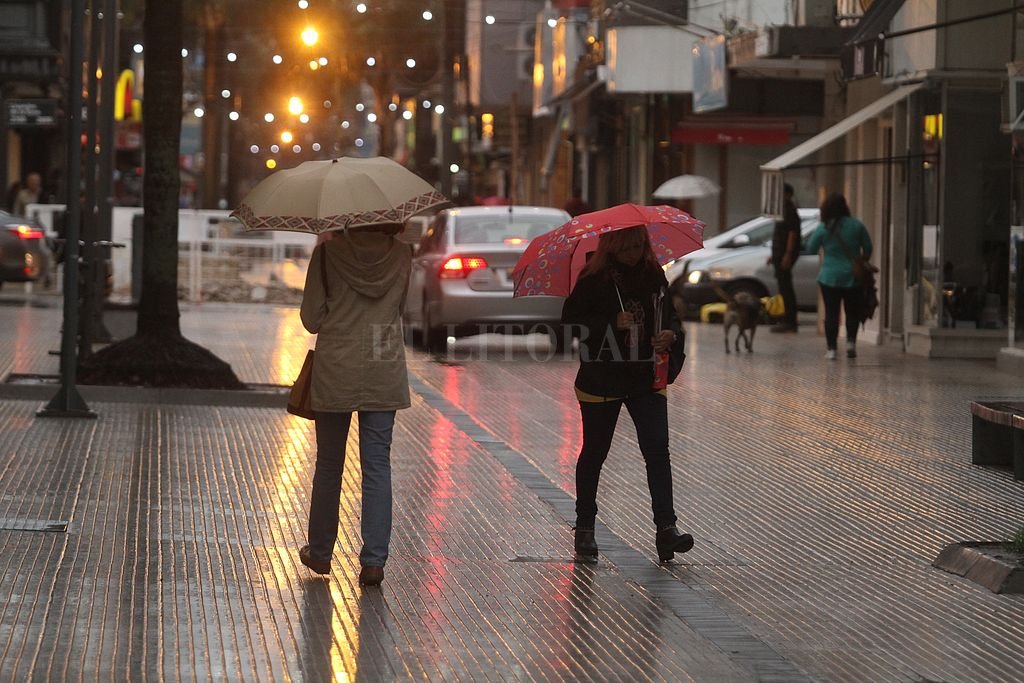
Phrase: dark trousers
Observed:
(375, 433)
(650, 416)
(852, 299)
(785, 280)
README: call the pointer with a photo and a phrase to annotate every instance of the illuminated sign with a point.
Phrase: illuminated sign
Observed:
(126, 107)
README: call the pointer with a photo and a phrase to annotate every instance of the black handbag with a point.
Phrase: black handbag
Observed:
(300, 398)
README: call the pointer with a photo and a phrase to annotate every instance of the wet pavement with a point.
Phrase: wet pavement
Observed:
(818, 493)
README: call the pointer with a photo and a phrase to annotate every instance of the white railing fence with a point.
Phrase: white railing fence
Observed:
(217, 261)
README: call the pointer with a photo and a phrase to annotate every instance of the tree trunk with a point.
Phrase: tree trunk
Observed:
(158, 304)
(158, 355)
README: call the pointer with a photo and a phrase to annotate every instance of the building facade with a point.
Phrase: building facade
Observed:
(31, 94)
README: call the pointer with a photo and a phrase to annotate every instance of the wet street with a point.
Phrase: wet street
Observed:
(818, 493)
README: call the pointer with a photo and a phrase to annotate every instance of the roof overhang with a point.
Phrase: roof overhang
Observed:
(771, 171)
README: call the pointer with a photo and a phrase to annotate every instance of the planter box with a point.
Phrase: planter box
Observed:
(992, 565)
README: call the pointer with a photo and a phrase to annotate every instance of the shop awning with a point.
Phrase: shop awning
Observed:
(771, 172)
(724, 133)
(840, 129)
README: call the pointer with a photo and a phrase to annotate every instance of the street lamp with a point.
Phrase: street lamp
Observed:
(310, 36)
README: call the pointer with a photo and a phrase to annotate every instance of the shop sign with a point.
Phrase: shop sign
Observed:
(31, 113)
(710, 77)
(128, 136)
(28, 68)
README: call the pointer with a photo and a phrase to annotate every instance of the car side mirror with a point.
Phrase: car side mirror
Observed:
(741, 240)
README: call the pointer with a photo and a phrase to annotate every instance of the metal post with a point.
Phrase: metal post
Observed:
(68, 402)
(89, 234)
(104, 188)
(444, 157)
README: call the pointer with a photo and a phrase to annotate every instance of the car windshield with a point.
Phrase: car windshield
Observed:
(762, 233)
(503, 229)
(807, 226)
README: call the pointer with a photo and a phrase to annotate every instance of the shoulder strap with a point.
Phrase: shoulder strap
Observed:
(837, 234)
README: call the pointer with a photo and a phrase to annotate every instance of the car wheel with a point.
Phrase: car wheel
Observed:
(433, 338)
(415, 337)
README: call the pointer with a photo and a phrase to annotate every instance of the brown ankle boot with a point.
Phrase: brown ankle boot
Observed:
(371, 575)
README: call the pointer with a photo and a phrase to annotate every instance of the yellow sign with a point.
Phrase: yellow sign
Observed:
(125, 104)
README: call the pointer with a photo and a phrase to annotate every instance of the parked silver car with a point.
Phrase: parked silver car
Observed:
(746, 269)
(751, 233)
(461, 280)
(24, 253)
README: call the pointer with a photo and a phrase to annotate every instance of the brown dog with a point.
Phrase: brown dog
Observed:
(743, 311)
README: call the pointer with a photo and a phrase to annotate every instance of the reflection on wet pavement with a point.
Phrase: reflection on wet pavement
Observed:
(818, 496)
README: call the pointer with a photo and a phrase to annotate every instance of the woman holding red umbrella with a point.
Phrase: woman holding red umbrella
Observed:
(617, 312)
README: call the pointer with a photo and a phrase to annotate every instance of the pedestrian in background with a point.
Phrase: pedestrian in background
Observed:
(612, 312)
(843, 239)
(28, 194)
(359, 367)
(785, 250)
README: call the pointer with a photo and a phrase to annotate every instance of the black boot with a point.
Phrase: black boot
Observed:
(669, 541)
(585, 545)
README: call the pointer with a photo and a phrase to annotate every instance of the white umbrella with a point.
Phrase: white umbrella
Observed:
(317, 196)
(687, 187)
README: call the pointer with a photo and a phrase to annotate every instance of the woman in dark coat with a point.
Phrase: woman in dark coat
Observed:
(612, 311)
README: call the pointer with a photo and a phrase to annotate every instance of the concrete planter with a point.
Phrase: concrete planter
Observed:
(992, 565)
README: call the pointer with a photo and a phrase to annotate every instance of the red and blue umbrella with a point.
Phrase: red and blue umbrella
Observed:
(553, 261)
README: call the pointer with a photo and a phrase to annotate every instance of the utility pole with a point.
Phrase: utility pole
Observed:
(90, 218)
(444, 145)
(68, 402)
(104, 229)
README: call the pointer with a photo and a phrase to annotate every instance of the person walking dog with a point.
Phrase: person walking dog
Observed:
(354, 292)
(615, 311)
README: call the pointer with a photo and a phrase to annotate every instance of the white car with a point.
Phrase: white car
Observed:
(461, 280)
(746, 269)
(752, 233)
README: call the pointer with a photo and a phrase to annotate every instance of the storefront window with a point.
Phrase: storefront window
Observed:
(974, 240)
(928, 164)
(1015, 304)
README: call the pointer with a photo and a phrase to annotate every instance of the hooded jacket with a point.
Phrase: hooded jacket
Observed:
(360, 355)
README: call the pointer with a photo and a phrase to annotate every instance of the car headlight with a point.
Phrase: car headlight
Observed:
(696, 277)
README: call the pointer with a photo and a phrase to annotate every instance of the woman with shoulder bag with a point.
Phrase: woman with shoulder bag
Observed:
(359, 367)
(847, 250)
(614, 311)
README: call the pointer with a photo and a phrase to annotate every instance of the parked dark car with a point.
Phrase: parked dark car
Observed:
(24, 253)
